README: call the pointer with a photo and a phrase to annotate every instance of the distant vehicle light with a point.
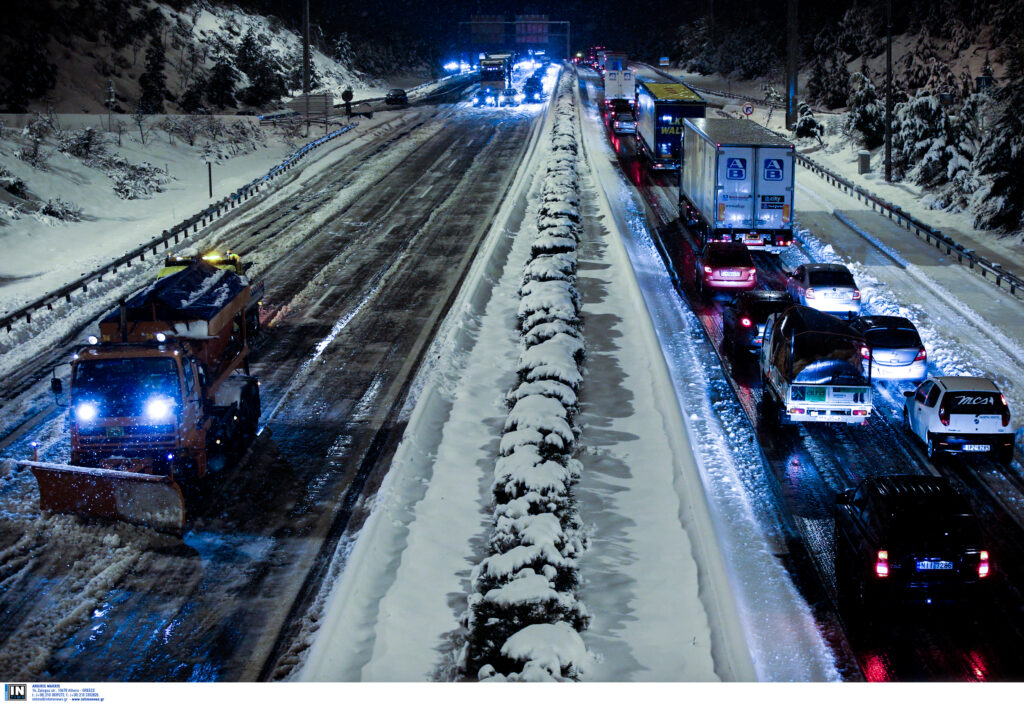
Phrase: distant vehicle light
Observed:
(809, 294)
(161, 337)
(983, 567)
(92, 339)
(86, 411)
(746, 321)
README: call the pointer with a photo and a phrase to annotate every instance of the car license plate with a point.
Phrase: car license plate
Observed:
(934, 565)
(752, 237)
(976, 447)
(730, 274)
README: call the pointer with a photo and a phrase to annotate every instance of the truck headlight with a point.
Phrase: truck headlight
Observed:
(86, 411)
(159, 408)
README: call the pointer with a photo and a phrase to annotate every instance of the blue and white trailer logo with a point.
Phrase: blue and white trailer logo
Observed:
(736, 169)
(773, 169)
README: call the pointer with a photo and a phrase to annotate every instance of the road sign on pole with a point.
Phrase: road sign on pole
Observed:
(748, 109)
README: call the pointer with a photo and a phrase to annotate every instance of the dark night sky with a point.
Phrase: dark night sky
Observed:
(593, 21)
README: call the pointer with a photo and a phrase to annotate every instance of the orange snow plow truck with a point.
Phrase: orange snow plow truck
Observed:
(164, 387)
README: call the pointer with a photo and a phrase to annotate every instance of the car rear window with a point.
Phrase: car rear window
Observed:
(762, 309)
(831, 278)
(893, 338)
(729, 257)
(924, 526)
(973, 402)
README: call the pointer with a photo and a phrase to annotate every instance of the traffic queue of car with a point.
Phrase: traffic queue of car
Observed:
(532, 92)
(897, 538)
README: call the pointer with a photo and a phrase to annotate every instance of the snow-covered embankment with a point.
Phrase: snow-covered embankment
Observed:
(524, 618)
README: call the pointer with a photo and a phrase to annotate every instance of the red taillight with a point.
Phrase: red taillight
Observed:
(856, 294)
(1006, 410)
(983, 567)
(708, 269)
(860, 412)
(746, 321)
(882, 564)
(809, 294)
(865, 353)
(796, 411)
(944, 413)
(921, 355)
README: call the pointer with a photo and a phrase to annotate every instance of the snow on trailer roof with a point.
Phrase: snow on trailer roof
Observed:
(197, 292)
(671, 91)
(729, 132)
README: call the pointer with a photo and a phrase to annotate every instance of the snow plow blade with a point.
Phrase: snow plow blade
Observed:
(138, 498)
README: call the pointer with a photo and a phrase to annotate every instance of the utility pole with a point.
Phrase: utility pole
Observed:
(305, 59)
(791, 63)
(111, 100)
(711, 21)
(888, 91)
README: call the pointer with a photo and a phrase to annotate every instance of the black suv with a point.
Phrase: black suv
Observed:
(396, 96)
(744, 316)
(907, 538)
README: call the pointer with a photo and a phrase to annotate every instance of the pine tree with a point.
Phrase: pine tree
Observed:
(220, 88)
(153, 81)
(249, 54)
(293, 77)
(963, 138)
(828, 83)
(867, 113)
(1000, 200)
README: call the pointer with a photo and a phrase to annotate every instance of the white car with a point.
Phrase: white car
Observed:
(894, 351)
(826, 287)
(960, 414)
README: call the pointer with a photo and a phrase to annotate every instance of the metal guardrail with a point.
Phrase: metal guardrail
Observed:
(989, 270)
(166, 238)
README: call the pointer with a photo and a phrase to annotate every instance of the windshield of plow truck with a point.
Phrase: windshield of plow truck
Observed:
(126, 387)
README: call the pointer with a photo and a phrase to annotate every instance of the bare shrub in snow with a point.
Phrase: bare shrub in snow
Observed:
(61, 210)
(85, 144)
(135, 181)
(12, 184)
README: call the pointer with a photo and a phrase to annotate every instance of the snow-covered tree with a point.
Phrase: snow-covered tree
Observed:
(867, 112)
(918, 125)
(293, 72)
(153, 81)
(963, 138)
(828, 84)
(807, 124)
(999, 203)
(220, 88)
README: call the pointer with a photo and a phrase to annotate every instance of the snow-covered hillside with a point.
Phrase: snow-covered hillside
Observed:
(201, 57)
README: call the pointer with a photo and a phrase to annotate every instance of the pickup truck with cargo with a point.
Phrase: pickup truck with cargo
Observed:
(811, 369)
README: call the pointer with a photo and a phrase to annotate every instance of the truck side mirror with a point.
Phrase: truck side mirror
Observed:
(908, 394)
(56, 386)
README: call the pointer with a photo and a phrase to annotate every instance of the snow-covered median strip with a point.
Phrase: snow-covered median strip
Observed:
(524, 618)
